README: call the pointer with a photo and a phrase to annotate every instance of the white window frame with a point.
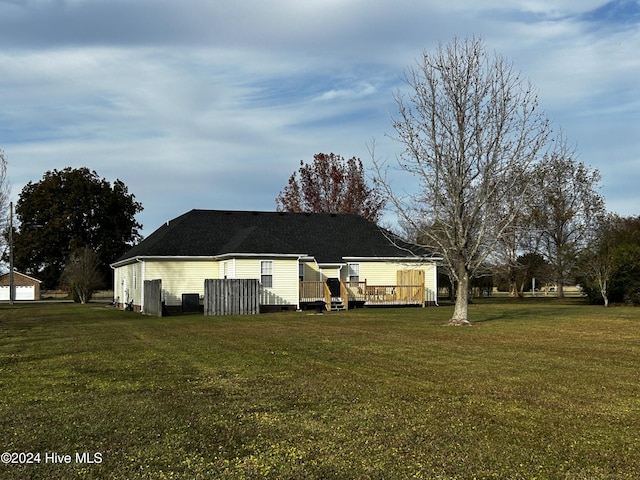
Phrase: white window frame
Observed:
(353, 272)
(266, 273)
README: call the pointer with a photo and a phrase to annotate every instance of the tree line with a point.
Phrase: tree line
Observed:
(495, 191)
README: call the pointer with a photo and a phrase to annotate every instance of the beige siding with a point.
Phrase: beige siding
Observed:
(128, 284)
(227, 268)
(180, 276)
(117, 284)
(385, 273)
(188, 276)
(332, 272)
(311, 272)
(247, 268)
(285, 279)
(431, 283)
(378, 273)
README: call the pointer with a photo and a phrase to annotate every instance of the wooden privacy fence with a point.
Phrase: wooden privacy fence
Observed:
(152, 297)
(231, 296)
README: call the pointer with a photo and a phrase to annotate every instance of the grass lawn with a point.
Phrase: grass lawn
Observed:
(535, 389)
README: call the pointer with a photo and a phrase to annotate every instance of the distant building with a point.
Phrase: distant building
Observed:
(25, 287)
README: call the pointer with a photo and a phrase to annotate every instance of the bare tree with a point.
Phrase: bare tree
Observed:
(82, 274)
(5, 192)
(597, 261)
(471, 130)
(567, 207)
(509, 247)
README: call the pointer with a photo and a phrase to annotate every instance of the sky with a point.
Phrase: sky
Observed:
(213, 103)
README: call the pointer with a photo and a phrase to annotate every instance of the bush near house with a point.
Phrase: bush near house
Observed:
(535, 389)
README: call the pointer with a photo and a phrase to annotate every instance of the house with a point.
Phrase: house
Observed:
(25, 287)
(301, 260)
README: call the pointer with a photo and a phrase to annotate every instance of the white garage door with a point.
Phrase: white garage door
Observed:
(22, 293)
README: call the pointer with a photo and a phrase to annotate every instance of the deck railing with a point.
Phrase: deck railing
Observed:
(395, 295)
(344, 295)
(311, 292)
(357, 291)
(361, 292)
(327, 296)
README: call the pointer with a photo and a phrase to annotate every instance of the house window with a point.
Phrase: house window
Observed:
(301, 272)
(266, 273)
(354, 272)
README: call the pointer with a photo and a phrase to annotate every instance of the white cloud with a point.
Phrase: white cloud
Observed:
(360, 90)
(213, 104)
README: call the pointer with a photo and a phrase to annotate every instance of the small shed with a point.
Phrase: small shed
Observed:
(26, 287)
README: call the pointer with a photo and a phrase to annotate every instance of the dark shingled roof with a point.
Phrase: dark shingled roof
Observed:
(326, 237)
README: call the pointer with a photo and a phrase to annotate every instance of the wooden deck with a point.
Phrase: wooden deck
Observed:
(360, 292)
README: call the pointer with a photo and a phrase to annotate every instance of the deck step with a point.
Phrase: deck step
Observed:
(337, 305)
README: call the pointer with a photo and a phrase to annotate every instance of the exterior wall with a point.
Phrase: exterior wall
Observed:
(180, 276)
(431, 284)
(227, 268)
(188, 276)
(385, 273)
(127, 284)
(311, 272)
(333, 272)
(285, 279)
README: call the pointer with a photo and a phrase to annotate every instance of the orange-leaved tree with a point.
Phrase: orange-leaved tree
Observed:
(331, 184)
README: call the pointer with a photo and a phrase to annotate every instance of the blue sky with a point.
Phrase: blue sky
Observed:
(212, 103)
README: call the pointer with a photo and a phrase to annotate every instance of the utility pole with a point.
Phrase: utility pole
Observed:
(11, 282)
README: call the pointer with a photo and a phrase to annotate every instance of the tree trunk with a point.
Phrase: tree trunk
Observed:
(603, 292)
(462, 299)
(513, 288)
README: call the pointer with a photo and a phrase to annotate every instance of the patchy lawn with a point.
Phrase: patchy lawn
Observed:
(537, 389)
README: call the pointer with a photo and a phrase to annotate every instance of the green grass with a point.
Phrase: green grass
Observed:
(535, 389)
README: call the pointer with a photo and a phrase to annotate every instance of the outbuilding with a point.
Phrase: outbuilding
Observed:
(25, 287)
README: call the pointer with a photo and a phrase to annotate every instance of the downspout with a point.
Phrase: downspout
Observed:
(116, 281)
(298, 284)
(435, 282)
(142, 277)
